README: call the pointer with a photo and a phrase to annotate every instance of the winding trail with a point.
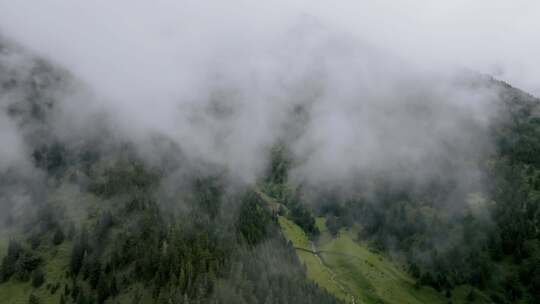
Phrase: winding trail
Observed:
(274, 205)
(333, 275)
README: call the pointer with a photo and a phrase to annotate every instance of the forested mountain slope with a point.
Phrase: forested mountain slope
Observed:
(481, 245)
(87, 217)
(90, 221)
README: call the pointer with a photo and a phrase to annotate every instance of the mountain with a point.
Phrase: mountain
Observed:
(87, 217)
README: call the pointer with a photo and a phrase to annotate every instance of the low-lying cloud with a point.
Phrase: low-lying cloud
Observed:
(355, 88)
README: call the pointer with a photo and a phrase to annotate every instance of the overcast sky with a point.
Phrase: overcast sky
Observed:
(498, 37)
(493, 36)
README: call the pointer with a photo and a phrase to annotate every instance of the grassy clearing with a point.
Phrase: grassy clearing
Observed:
(316, 270)
(56, 259)
(369, 276)
(294, 233)
(352, 269)
(271, 203)
(320, 274)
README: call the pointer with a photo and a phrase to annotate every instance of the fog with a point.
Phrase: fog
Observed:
(494, 37)
(363, 87)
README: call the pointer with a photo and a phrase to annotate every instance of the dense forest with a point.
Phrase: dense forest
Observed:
(95, 221)
(127, 238)
(491, 242)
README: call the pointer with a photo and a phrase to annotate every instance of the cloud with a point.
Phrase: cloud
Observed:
(12, 150)
(12, 146)
(376, 81)
(495, 37)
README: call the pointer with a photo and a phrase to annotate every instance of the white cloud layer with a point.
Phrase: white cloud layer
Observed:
(223, 79)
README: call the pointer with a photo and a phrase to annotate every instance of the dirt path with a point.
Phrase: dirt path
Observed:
(272, 203)
(333, 275)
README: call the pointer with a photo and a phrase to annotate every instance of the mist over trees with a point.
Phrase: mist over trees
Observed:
(164, 180)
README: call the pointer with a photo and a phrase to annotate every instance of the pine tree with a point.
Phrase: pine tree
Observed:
(114, 287)
(58, 237)
(81, 299)
(471, 296)
(38, 278)
(103, 291)
(33, 299)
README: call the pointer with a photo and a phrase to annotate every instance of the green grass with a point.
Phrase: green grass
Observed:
(352, 269)
(271, 203)
(82, 209)
(316, 270)
(56, 259)
(294, 233)
(345, 268)
(56, 262)
(369, 276)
